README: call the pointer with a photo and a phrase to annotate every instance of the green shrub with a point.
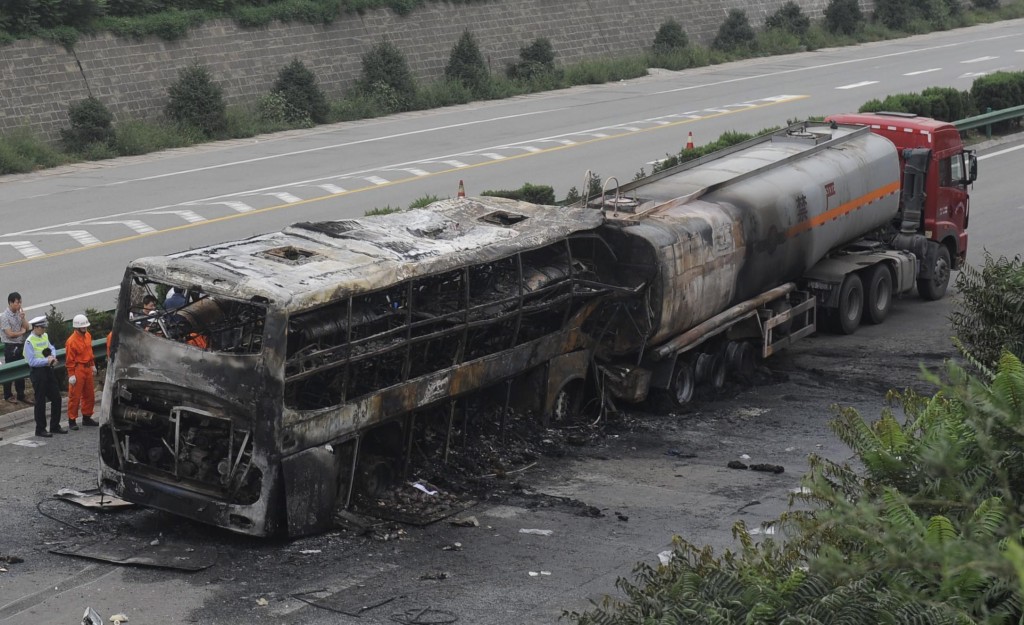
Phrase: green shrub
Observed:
(386, 78)
(669, 38)
(789, 18)
(535, 60)
(985, 4)
(895, 14)
(535, 194)
(305, 100)
(777, 41)
(91, 122)
(466, 65)
(599, 71)
(691, 56)
(101, 322)
(168, 25)
(21, 152)
(734, 33)
(195, 100)
(997, 91)
(989, 314)
(843, 16)
(444, 93)
(423, 200)
(139, 137)
(948, 103)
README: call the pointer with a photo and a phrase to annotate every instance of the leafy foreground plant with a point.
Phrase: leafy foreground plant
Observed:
(919, 533)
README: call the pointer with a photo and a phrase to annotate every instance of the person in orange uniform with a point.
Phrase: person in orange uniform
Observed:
(81, 366)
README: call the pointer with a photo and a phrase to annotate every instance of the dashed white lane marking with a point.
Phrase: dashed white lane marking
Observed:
(377, 180)
(415, 171)
(331, 188)
(454, 163)
(923, 71)
(238, 207)
(980, 59)
(18, 440)
(494, 156)
(859, 84)
(27, 249)
(629, 128)
(973, 74)
(285, 197)
(190, 216)
(83, 237)
(136, 225)
(722, 110)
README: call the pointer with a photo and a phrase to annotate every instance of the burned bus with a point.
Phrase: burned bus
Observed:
(283, 370)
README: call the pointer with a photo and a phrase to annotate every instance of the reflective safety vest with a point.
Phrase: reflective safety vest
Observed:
(38, 344)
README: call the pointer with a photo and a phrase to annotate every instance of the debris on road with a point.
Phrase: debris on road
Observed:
(452, 547)
(436, 575)
(768, 468)
(11, 559)
(167, 555)
(421, 487)
(537, 532)
(93, 498)
(424, 616)
(590, 511)
(538, 573)
(679, 453)
(736, 464)
(117, 619)
(91, 617)
(262, 601)
(621, 517)
(469, 521)
(665, 557)
(767, 531)
(310, 551)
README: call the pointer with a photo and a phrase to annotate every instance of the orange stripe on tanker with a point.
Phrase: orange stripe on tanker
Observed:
(843, 209)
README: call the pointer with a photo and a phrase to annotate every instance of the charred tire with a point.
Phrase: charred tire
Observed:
(878, 294)
(934, 288)
(741, 359)
(681, 387)
(565, 410)
(847, 315)
(374, 476)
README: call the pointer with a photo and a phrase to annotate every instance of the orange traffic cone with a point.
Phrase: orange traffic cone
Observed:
(462, 190)
(689, 141)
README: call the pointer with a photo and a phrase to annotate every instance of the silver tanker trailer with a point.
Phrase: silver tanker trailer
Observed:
(739, 253)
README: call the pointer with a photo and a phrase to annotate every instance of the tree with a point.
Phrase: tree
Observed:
(669, 38)
(789, 18)
(735, 32)
(195, 100)
(536, 59)
(91, 122)
(386, 77)
(843, 17)
(466, 64)
(305, 100)
(988, 317)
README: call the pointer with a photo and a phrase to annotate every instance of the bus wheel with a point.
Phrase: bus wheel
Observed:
(846, 317)
(566, 408)
(878, 300)
(374, 476)
(934, 288)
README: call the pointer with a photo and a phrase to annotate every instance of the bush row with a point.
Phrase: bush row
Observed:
(996, 91)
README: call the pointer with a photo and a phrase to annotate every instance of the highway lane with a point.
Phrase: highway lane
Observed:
(71, 233)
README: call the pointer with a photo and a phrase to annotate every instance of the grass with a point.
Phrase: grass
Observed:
(22, 152)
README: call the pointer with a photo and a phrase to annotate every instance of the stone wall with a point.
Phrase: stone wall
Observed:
(38, 79)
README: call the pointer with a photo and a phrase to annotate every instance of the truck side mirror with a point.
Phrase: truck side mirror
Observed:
(972, 167)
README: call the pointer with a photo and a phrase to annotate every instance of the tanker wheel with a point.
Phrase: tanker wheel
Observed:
(681, 387)
(742, 360)
(879, 294)
(934, 288)
(717, 369)
(846, 317)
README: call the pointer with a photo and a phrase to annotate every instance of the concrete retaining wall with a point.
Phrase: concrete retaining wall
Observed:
(39, 79)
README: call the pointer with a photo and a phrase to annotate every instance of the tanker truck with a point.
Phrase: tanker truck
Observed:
(738, 254)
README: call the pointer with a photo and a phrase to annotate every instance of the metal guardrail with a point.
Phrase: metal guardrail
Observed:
(19, 369)
(988, 118)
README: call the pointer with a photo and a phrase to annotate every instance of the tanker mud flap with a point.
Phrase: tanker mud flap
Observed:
(311, 489)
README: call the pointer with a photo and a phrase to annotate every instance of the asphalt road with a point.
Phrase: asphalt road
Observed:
(68, 234)
(665, 474)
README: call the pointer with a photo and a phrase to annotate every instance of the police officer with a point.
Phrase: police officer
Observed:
(41, 359)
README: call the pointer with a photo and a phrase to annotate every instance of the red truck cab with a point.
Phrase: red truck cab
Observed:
(950, 169)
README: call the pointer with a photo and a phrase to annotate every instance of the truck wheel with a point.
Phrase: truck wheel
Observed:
(374, 476)
(681, 388)
(846, 317)
(934, 288)
(566, 408)
(879, 294)
(742, 360)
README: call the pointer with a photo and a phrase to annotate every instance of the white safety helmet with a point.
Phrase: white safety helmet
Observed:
(80, 321)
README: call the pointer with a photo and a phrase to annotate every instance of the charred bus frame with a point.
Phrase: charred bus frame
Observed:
(293, 364)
